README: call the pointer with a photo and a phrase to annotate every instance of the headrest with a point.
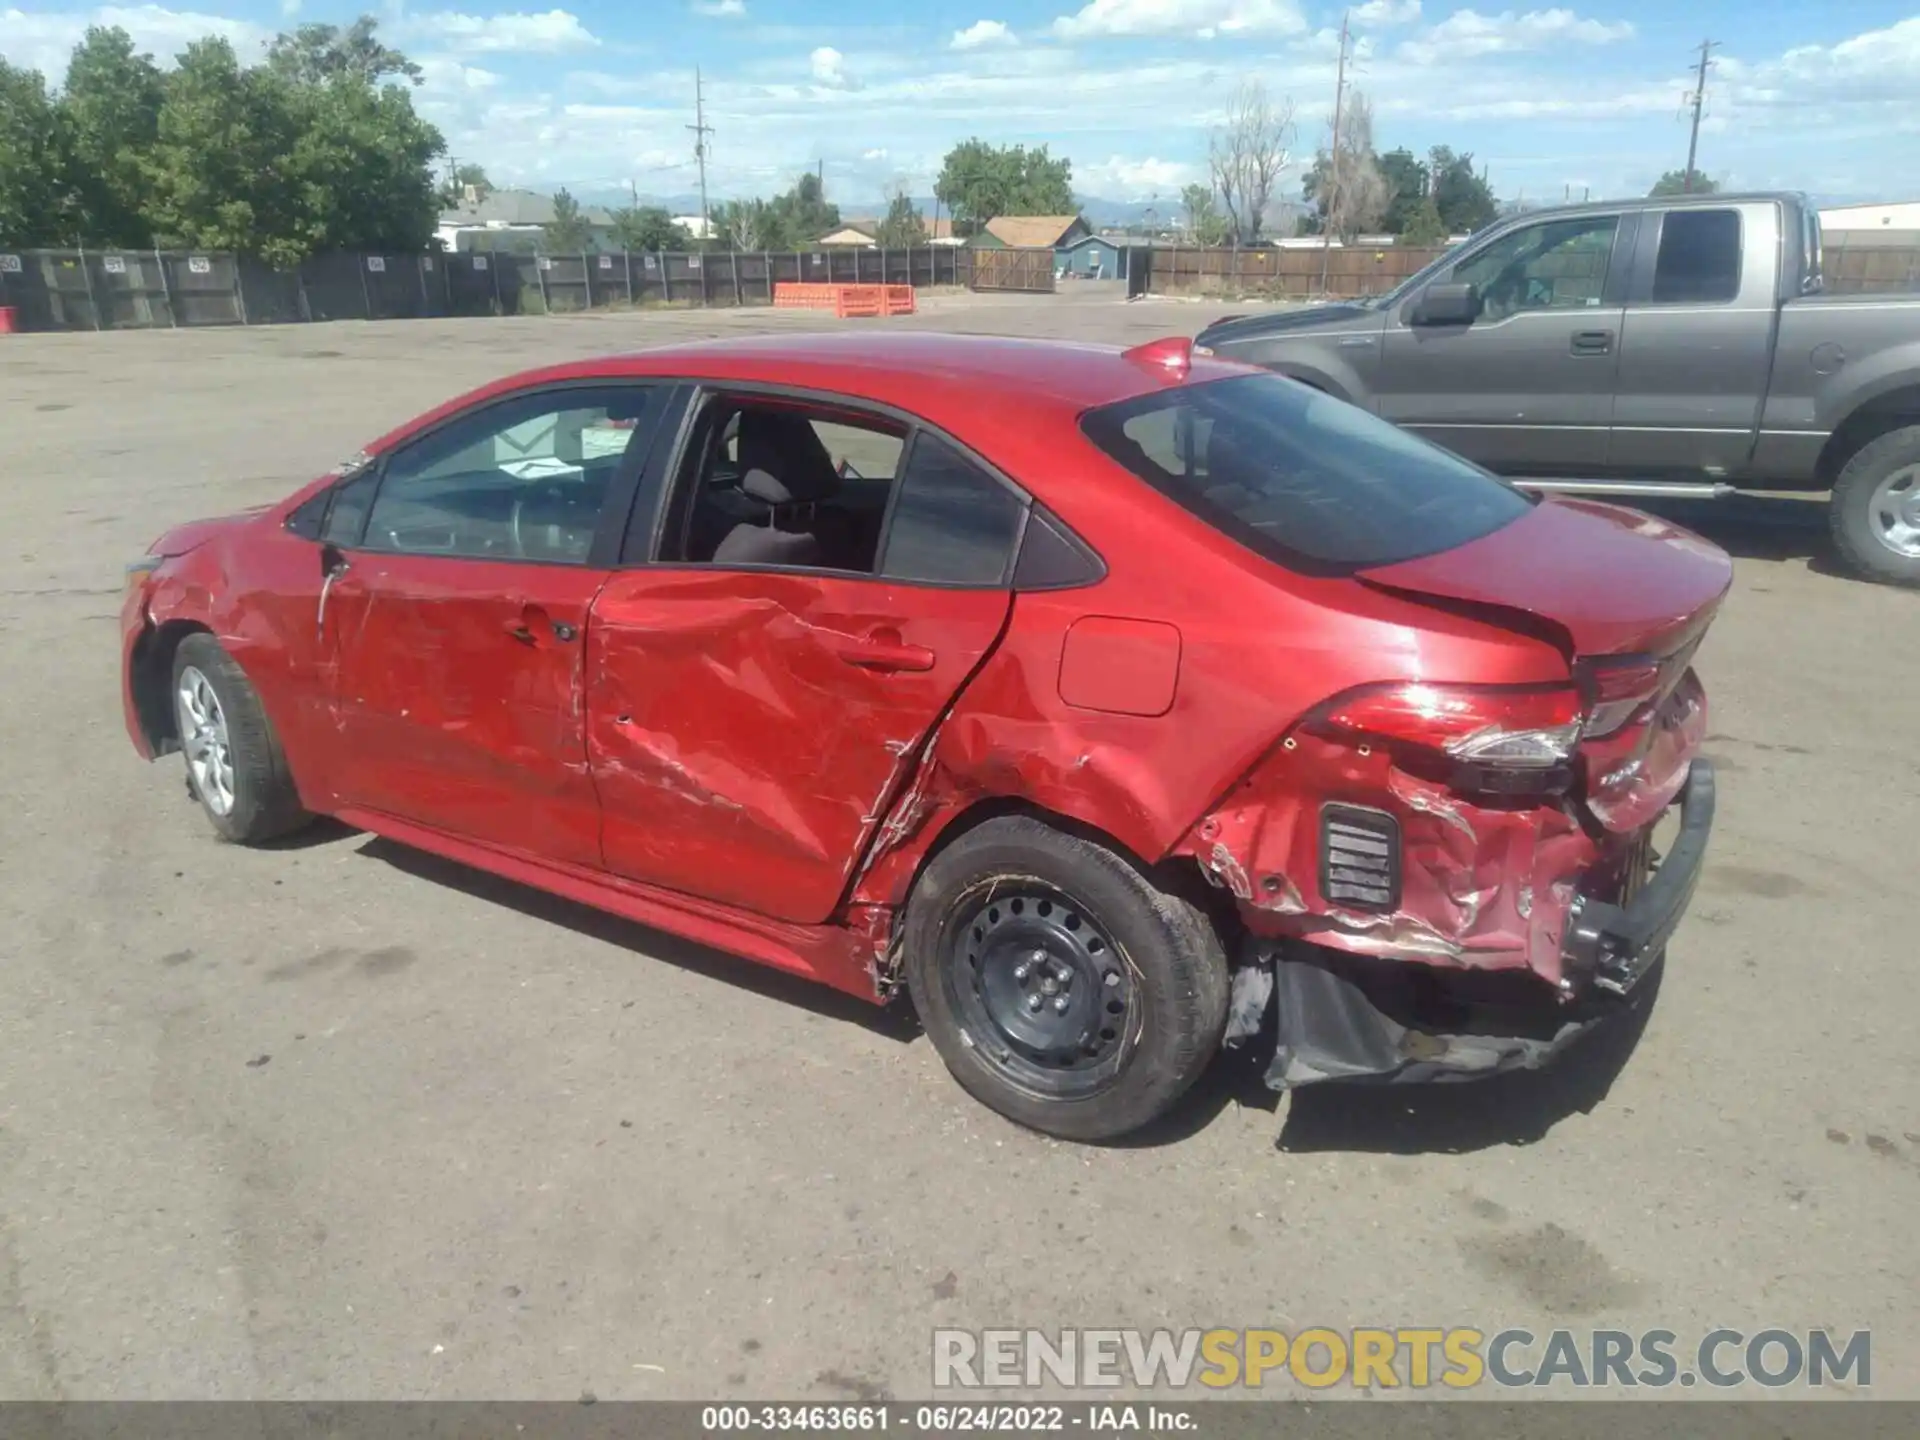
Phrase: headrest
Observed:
(762, 486)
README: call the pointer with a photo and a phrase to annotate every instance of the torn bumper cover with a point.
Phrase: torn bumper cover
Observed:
(1358, 1017)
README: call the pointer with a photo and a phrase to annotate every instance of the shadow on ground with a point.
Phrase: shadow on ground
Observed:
(1756, 527)
(895, 1022)
(1512, 1109)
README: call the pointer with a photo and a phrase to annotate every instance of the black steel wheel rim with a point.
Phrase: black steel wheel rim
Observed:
(1046, 999)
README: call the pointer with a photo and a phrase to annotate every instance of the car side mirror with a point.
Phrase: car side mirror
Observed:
(1446, 305)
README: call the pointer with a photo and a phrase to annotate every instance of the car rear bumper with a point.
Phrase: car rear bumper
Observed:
(1355, 1017)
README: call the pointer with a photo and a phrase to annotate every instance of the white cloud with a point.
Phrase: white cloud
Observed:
(720, 9)
(1467, 33)
(1386, 12)
(982, 32)
(1118, 178)
(542, 33)
(44, 40)
(829, 67)
(1205, 18)
(879, 154)
(289, 9)
(441, 74)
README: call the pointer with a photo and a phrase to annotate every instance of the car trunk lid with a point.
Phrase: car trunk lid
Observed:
(1628, 597)
(1613, 581)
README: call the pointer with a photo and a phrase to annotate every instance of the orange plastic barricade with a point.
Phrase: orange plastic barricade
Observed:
(846, 301)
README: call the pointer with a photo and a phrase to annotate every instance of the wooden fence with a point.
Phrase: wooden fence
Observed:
(1020, 269)
(1852, 268)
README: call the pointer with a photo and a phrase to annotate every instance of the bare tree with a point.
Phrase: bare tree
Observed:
(1357, 193)
(1248, 155)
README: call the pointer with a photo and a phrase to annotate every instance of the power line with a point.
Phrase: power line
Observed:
(701, 130)
(1707, 47)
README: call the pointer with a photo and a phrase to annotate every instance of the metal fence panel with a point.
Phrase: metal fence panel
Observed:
(109, 289)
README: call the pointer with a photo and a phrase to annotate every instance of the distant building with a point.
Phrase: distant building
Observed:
(1092, 257)
(1031, 232)
(864, 230)
(512, 220)
(698, 226)
(1899, 217)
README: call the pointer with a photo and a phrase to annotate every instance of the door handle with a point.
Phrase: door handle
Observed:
(527, 626)
(1592, 342)
(883, 653)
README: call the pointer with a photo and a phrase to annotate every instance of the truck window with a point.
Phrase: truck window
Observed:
(1555, 265)
(1699, 260)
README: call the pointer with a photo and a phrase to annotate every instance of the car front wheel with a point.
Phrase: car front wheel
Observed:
(1062, 987)
(235, 767)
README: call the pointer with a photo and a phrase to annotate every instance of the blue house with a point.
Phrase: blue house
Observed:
(1091, 257)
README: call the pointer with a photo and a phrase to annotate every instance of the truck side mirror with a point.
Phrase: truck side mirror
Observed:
(1446, 305)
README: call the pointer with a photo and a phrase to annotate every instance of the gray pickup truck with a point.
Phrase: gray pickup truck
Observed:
(1669, 347)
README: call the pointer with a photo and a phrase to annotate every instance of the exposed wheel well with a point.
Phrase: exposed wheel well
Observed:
(1891, 411)
(152, 682)
(1177, 875)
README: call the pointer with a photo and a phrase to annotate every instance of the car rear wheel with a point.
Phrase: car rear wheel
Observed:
(235, 767)
(1059, 984)
(1876, 509)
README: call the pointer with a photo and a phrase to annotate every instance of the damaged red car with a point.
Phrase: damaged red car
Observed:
(1110, 703)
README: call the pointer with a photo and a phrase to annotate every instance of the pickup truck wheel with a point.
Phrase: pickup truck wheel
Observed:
(235, 767)
(1875, 511)
(1060, 986)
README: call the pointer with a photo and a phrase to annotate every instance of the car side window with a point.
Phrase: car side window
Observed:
(1555, 265)
(953, 524)
(1699, 258)
(525, 478)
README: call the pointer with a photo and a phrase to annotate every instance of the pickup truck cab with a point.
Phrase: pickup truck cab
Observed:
(1680, 346)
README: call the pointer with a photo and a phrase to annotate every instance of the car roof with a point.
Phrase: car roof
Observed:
(940, 376)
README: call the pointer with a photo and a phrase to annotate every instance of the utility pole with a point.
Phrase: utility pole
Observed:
(1334, 182)
(701, 130)
(1707, 48)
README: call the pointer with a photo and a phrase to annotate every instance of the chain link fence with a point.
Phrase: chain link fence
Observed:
(159, 289)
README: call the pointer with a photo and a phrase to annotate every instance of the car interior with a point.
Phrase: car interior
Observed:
(776, 484)
(533, 491)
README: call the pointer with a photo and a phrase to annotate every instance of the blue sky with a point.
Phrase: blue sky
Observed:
(595, 93)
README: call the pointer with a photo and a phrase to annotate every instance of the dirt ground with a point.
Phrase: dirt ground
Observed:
(343, 1121)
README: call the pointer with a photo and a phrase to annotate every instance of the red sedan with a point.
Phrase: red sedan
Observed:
(1109, 702)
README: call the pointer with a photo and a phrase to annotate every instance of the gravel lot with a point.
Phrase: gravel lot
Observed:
(343, 1121)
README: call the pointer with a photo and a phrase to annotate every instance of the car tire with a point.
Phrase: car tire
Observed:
(1060, 985)
(236, 769)
(1882, 478)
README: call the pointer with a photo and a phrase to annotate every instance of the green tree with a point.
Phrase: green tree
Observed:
(1407, 182)
(219, 171)
(321, 54)
(1422, 225)
(568, 233)
(111, 108)
(34, 209)
(454, 192)
(745, 225)
(902, 226)
(1674, 182)
(795, 220)
(979, 182)
(1204, 221)
(648, 227)
(1464, 199)
(362, 166)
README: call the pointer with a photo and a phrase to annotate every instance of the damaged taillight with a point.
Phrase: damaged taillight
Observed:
(1618, 689)
(1500, 727)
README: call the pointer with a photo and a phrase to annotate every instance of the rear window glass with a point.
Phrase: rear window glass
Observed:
(1301, 478)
